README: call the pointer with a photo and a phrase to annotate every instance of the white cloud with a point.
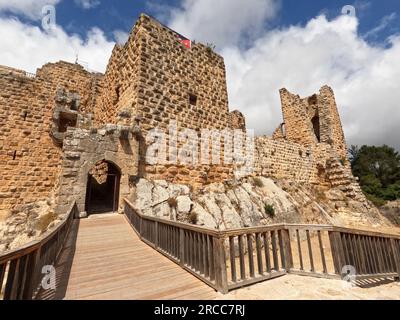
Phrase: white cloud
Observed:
(222, 22)
(302, 59)
(365, 78)
(28, 47)
(87, 4)
(121, 37)
(31, 9)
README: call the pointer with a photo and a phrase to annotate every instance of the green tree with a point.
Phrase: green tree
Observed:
(378, 169)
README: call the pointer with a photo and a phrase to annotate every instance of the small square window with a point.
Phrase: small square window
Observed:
(66, 120)
(192, 99)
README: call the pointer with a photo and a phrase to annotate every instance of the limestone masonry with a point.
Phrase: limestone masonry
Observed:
(70, 135)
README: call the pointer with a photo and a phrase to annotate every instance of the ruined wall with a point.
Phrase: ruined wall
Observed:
(298, 126)
(313, 119)
(317, 164)
(335, 135)
(310, 146)
(288, 160)
(30, 158)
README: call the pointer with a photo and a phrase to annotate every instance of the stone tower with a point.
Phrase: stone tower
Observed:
(313, 120)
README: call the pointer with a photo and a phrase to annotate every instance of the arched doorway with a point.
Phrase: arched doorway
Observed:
(102, 194)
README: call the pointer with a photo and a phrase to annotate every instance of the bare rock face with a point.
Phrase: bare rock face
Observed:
(208, 202)
(163, 200)
(229, 205)
(230, 216)
(162, 210)
(184, 205)
(27, 224)
(250, 214)
(144, 198)
(251, 202)
(204, 218)
(160, 194)
(178, 189)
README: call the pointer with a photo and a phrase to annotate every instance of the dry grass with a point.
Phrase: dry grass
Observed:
(172, 202)
(193, 218)
(258, 182)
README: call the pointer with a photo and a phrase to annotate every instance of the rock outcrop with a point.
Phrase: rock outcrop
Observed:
(247, 203)
(26, 225)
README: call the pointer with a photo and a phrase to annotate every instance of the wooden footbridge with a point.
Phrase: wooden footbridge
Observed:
(132, 256)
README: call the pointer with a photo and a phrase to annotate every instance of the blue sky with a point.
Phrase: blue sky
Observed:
(267, 44)
(120, 14)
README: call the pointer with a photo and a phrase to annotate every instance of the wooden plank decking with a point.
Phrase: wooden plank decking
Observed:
(104, 259)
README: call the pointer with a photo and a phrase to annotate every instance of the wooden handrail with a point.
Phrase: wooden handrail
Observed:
(229, 259)
(20, 269)
(182, 225)
(367, 232)
(223, 259)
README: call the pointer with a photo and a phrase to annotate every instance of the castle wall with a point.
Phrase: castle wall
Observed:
(29, 156)
(288, 160)
(83, 149)
(153, 80)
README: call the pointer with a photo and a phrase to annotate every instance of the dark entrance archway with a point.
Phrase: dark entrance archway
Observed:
(102, 194)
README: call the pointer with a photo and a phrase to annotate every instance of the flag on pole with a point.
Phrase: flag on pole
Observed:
(185, 41)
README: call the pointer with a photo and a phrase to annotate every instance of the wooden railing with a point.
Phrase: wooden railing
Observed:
(198, 250)
(230, 259)
(373, 255)
(21, 270)
(256, 254)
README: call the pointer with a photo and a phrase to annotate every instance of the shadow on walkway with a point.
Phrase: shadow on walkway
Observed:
(371, 283)
(63, 266)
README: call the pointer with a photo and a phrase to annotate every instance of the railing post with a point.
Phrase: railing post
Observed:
(32, 276)
(396, 256)
(182, 247)
(287, 247)
(221, 277)
(156, 235)
(140, 227)
(10, 292)
(337, 251)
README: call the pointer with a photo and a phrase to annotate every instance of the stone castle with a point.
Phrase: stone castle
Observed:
(70, 135)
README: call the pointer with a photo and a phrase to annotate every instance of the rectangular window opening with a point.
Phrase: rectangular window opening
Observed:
(66, 120)
(192, 99)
